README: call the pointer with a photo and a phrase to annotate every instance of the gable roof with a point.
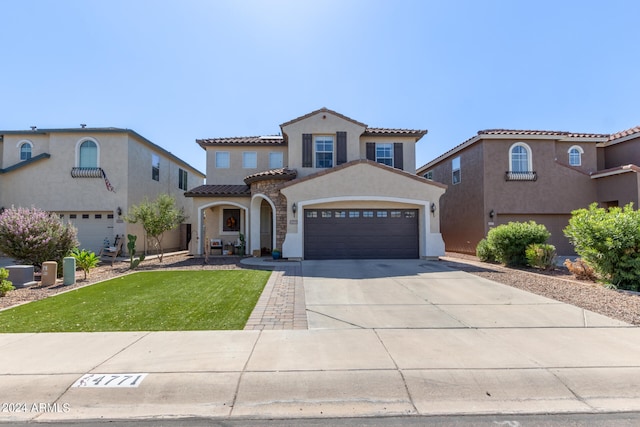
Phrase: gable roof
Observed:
(368, 162)
(322, 110)
(515, 133)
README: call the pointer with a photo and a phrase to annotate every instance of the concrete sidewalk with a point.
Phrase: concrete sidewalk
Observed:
(385, 338)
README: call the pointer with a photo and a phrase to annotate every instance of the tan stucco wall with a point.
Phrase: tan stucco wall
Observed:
(322, 123)
(235, 173)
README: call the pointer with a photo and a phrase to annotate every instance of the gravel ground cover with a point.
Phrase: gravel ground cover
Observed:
(558, 284)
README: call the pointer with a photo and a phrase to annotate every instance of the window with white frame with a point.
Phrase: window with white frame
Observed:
(324, 151)
(575, 155)
(384, 154)
(276, 160)
(182, 179)
(155, 167)
(88, 154)
(25, 150)
(249, 160)
(222, 159)
(520, 158)
(456, 176)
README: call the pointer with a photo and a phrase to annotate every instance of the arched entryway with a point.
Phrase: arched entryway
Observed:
(222, 221)
(263, 225)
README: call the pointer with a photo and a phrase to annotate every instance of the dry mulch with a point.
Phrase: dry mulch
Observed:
(557, 284)
(106, 271)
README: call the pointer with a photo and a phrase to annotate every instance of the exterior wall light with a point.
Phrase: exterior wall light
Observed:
(492, 213)
(294, 208)
(433, 208)
(119, 211)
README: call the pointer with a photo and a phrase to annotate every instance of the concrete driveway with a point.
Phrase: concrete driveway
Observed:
(426, 295)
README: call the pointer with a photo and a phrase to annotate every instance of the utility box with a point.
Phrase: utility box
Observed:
(49, 273)
(69, 270)
(21, 275)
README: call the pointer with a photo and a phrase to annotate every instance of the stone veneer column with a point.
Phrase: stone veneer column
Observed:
(271, 189)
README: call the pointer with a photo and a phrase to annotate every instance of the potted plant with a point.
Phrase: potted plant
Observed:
(276, 254)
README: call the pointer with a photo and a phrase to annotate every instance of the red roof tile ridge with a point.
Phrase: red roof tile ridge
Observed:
(624, 133)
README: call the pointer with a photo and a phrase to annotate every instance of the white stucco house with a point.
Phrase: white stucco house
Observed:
(91, 176)
(329, 187)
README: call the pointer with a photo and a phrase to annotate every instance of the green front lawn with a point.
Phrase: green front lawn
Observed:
(146, 301)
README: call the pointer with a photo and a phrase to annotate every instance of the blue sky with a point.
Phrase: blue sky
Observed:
(179, 70)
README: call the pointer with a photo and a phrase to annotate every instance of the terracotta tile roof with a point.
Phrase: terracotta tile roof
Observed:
(624, 133)
(322, 110)
(243, 140)
(541, 132)
(219, 191)
(282, 173)
(418, 133)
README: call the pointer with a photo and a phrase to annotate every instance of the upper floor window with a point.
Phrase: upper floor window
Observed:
(182, 179)
(520, 158)
(222, 159)
(456, 177)
(276, 160)
(155, 167)
(324, 151)
(88, 154)
(384, 154)
(429, 175)
(575, 155)
(249, 160)
(25, 150)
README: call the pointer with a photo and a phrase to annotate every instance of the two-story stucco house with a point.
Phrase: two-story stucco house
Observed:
(501, 175)
(330, 187)
(90, 177)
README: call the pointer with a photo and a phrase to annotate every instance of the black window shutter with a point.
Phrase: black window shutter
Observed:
(307, 150)
(371, 151)
(398, 162)
(341, 148)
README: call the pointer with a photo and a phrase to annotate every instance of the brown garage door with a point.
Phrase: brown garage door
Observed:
(360, 233)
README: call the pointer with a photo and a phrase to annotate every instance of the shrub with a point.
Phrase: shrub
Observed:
(580, 269)
(32, 236)
(484, 251)
(86, 260)
(541, 255)
(5, 285)
(609, 241)
(510, 241)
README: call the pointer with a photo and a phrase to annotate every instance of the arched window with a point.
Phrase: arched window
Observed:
(25, 150)
(88, 151)
(575, 155)
(520, 158)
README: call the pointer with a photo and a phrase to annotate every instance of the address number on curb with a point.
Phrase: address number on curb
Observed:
(110, 380)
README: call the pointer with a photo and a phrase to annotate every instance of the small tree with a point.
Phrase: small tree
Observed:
(156, 218)
(32, 236)
(608, 241)
(86, 260)
(5, 285)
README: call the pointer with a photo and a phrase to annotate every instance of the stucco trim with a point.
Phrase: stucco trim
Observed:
(25, 163)
(319, 111)
(616, 171)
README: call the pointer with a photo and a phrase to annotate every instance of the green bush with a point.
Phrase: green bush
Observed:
(608, 241)
(541, 256)
(510, 241)
(484, 251)
(5, 285)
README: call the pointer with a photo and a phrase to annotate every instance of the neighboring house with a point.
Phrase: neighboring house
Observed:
(500, 176)
(91, 177)
(330, 187)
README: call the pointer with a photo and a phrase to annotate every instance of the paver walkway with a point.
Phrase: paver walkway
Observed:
(281, 305)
